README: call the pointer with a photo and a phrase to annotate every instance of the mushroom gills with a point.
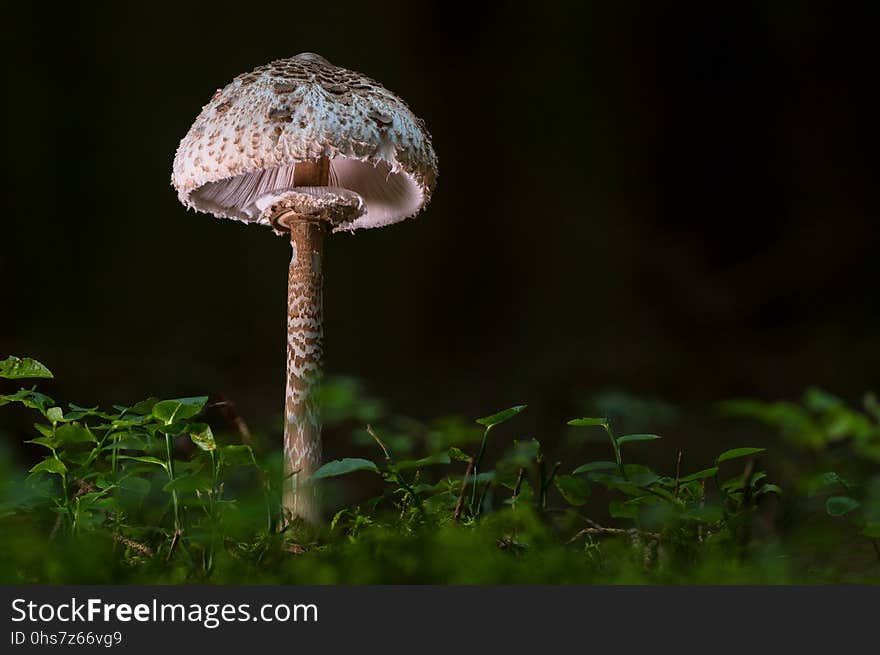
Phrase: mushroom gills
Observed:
(382, 192)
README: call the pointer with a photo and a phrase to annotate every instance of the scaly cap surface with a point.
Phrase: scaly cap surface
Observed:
(238, 158)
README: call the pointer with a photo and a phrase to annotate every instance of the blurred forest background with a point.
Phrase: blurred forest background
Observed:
(666, 199)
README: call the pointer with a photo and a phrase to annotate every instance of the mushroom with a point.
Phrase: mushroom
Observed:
(305, 147)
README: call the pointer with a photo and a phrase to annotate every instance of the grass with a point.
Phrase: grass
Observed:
(149, 494)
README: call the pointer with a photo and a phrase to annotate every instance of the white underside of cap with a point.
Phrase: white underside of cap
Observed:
(387, 196)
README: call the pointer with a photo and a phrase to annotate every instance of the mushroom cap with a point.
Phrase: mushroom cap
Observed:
(238, 158)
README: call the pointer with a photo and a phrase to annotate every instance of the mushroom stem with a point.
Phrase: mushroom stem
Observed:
(305, 346)
(305, 335)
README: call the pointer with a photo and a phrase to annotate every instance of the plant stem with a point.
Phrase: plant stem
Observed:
(67, 509)
(616, 447)
(482, 497)
(519, 478)
(539, 501)
(456, 515)
(169, 454)
(677, 475)
(477, 463)
(547, 484)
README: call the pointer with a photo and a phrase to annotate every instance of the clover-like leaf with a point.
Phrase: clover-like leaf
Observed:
(15, 368)
(585, 422)
(74, 433)
(237, 455)
(594, 466)
(699, 475)
(145, 459)
(630, 438)
(176, 409)
(439, 458)
(202, 436)
(840, 505)
(50, 465)
(501, 417)
(344, 466)
(576, 491)
(736, 453)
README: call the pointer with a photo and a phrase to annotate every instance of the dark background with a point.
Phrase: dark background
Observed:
(670, 200)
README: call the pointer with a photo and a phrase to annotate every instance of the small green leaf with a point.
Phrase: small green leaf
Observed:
(756, 479)
(439, 458)
(770, 489)
(135, 485)
(54, 414)
(576, 491)
(736, 453)
(620, 510)
(706, 514)
(485, 476)
(840, 505)
(629, 438)
(736, 483)
(14, 368)
(176, 428)
(143, 407)
(821, 401)
(74, 433)
(176, 409)
(145, 460)
(126, 440)
(872, 530)
(699, 475)
(594, 466)
(616, 482)
(441, 487)
(459, 455)
(583, 422)
(130, 421)
(501, 417)
(640, 476)
(77, 413)
(824, 481)
(47, 442)
(521, 453)
(45, 430)
(344, 466)
(189, 483)
(50, 465)
(236, 455)
(28, 398)
(202, 436)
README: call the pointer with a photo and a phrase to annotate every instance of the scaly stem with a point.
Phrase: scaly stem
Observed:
(305, 335)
